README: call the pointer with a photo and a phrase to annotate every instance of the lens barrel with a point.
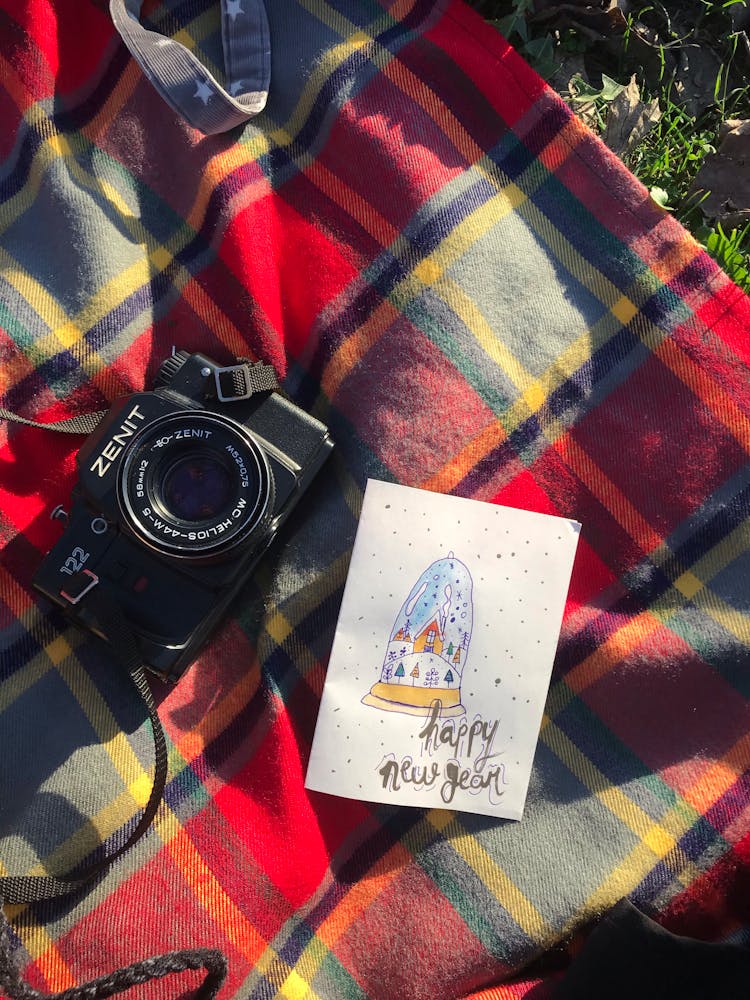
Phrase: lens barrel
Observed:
(195, 485)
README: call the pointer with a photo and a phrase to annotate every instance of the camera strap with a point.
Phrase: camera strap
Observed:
(85, 423)
(185, 82)
(111, 621)
(230, 384)
(31, 888)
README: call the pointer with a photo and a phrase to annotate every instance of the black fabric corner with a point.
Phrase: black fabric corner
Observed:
(630, 957)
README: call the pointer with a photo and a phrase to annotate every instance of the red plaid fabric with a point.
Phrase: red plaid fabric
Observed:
(449, 270)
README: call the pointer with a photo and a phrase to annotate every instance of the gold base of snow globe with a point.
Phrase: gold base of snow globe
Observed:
(412, 700)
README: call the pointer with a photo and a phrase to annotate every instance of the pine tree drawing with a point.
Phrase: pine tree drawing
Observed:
(414, 674)
(400, 672)
(450, 649)
(449, 678)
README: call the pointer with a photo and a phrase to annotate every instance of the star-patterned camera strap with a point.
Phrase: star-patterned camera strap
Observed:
(182, 79)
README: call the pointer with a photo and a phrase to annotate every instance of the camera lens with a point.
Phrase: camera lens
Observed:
(197, 488)
(196, 485)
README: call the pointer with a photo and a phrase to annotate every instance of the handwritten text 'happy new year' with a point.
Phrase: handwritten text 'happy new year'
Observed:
(471, 743)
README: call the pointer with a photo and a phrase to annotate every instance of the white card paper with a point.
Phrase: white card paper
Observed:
(443, 652)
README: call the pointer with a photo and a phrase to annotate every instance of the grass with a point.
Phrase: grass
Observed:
(649, 42)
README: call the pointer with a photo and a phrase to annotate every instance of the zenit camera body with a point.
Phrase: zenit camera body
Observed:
(180, 492)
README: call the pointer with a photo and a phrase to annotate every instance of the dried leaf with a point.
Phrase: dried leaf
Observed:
(570, 69)
(587, 18)
(695, 79)
(740, 15)
(725, 178)
(629, 119)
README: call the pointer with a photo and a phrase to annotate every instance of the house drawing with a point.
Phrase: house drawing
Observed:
(430, 639)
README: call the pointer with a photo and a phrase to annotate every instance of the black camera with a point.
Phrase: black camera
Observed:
(180, 492)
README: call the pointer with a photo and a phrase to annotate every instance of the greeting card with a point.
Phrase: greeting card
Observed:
(443, 652)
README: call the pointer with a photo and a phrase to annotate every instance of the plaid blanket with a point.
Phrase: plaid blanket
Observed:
(447, 268)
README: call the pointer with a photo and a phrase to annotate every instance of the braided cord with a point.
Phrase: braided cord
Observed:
(213, 961)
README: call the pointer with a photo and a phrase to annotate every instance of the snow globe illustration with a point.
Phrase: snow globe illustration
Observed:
(428, 645)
